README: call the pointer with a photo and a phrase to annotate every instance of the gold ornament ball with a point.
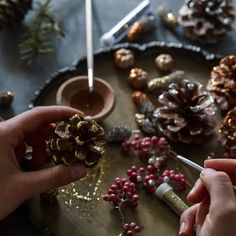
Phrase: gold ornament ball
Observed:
(6, 98)
(124, 58)
(138, 79)
(138, 96)
(164, 62)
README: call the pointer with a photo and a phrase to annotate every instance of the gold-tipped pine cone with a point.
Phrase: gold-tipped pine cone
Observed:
(77, 140)
(228, 131)
(13, 11)
(222, 84)
(186, 113)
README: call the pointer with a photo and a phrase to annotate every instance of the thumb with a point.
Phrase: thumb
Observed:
(50, 178)
(219, 187)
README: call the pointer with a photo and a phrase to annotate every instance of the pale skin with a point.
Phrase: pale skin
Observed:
(213, 212)
(32, 128)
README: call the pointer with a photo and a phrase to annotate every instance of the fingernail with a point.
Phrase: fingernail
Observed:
(182, 228)
(194, 188)
(207, 171)
(198, 229)
(77, 172)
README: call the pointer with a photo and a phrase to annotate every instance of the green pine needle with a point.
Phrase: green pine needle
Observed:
(37, 41)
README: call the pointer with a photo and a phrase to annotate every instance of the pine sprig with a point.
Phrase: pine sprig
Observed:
(37, 40)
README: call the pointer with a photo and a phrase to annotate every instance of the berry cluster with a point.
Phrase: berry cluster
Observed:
(122, 191)
(131, 229)
(144, 146)
(173, 176)
(230, 154)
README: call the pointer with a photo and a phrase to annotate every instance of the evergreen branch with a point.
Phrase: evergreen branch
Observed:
(37, 40)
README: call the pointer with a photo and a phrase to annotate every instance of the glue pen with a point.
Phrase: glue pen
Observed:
(119, 31)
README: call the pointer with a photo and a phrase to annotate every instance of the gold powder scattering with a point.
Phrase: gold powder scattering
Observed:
(81, 198)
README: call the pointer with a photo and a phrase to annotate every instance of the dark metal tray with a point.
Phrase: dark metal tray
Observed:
(73, 216)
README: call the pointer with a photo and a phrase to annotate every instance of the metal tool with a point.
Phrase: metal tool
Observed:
(89, 43)
(185, 160)
(189, 163)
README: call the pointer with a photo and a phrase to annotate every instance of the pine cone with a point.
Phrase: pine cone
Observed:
(222, 84)
(207, 21)
(186, 114)
(228, 131)
(118, 133)
(13, 11)
(77, 141)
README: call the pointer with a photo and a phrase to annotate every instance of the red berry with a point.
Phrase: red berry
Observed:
(136, 198)
(133, 224)
(126, 226)
(130, 233)
(137, 229)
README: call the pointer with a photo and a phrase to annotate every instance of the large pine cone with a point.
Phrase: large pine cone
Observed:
(13, 11)
(222, 84)
(228, 131)
(77, 140)
(186, 114)
(207, 21)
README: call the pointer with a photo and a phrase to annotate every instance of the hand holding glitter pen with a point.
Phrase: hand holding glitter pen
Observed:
(119, 31)
(189, 163)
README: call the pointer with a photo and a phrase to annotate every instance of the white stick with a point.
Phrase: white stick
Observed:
(89, 42)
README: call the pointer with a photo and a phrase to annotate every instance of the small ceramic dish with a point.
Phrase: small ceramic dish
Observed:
(96, 105)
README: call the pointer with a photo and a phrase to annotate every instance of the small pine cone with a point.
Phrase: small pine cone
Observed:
(77, 140)
(222, 85)
(186, 114)
(118, 133)
(228, 131)
(124, 58)
(49, 196)
(142, 102)
(13, 11)
(207, 21)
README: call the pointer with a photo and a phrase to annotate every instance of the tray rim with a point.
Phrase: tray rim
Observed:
(140, 47)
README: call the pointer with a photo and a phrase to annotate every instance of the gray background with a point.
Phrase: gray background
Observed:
(23, 81)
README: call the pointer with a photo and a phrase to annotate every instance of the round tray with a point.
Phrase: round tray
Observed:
(80, 209)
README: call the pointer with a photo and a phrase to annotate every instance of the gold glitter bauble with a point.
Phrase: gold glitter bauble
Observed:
(135, 31)
(138, 78)
(6, 98)
(164, 62)
(168, 18)
(124, 58)
(138, 96)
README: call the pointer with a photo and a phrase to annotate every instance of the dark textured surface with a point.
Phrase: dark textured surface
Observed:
(24, 81)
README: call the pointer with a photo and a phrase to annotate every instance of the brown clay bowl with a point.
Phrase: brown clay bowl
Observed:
(74, 93)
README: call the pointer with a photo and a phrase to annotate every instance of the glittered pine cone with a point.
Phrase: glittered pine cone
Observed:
(186, 113)
(207, 21)
(13, 11)
(222, 84)
(228, 131)
(77, 140)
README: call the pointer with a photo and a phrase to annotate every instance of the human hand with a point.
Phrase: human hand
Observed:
(214, 212)
(31, 128)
